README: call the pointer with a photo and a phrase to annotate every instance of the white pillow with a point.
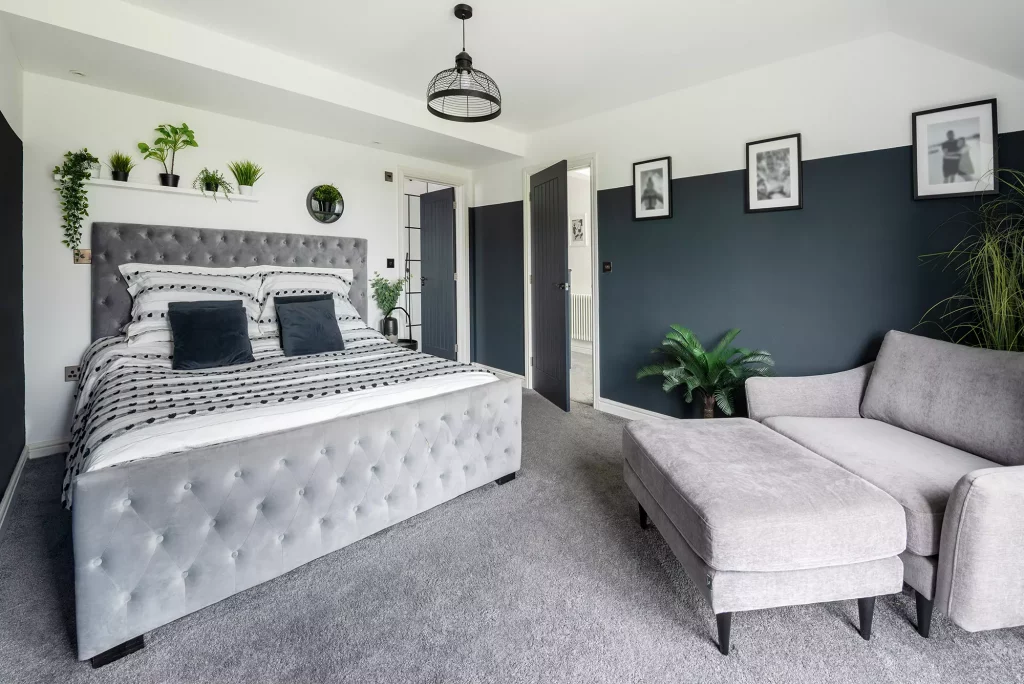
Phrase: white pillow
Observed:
(279, 281)
(132, 271)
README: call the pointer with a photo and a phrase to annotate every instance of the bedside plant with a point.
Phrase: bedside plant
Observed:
(385, 294)
(246, 174)
(714, 375)
(212, 181)
(326, 197)
(120, 166)
(172, 139)
(74, 201)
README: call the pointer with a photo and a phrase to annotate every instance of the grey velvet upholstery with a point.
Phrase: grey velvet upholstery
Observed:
(969, 398)
(837, 395)
(918, 472)
(919, 572)
(747, 499)
(116, 243)
(980, 582)
(160, 538)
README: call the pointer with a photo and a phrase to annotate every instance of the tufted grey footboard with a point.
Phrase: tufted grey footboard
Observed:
(160, 538)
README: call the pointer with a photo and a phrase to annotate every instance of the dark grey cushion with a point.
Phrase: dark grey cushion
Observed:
(970, 398)
(308, 325)
(746, 498)
(209, 334)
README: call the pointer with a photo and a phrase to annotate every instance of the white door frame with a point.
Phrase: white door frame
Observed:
(574, 163)
(460, 183)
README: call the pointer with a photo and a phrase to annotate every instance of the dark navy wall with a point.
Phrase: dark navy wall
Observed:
(12, 328)
(817, 287)
(496, 286)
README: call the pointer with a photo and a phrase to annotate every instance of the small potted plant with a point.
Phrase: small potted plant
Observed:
(120, 166)
(246, 174)
(212, 181)
(74, 201)
(386, 293)
(326, 197)
(172, 139)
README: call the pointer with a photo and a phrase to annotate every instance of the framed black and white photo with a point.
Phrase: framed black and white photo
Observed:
(955, 151)
(652, 189)
(578, 230)
(775, 179)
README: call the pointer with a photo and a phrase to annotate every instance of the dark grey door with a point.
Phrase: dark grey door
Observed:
(549, 250)
(437, 272)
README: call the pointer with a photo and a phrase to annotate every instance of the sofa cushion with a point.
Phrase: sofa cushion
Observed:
(747, 499)
(918, 472)
(970, 398)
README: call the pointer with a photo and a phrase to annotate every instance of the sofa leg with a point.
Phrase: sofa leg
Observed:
(866, 608)
(924, 614)
(119, 651)
(645, 522)
(724, 631)
(506, 478)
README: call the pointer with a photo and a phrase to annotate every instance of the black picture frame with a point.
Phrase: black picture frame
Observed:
(668, 189)
(799, 176)
(915, 151)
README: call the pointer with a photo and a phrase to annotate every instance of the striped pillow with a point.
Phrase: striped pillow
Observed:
(283, 282)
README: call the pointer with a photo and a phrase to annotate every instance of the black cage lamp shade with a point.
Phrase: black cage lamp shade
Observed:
(463, 93)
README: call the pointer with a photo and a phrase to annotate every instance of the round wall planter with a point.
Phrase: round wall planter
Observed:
(324, 212)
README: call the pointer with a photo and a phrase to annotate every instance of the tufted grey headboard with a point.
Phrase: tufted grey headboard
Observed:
(116, 243)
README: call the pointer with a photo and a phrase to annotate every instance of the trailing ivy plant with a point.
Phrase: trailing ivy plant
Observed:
(170, 141)
(74, 200)
(215, 180)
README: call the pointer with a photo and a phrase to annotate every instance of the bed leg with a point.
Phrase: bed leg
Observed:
(119, 651)
(506, 479)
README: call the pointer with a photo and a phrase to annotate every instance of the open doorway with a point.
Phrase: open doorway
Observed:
(581, 277)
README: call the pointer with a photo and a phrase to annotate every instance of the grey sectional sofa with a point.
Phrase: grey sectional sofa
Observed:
(940, 428)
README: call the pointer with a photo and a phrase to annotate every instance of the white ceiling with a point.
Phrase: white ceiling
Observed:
(554, 60)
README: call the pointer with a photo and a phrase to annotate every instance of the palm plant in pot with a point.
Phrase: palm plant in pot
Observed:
(246, 174)
(170, 141)
(120, 166)
(213, 182)
(326, 197)
(385, 294)
(714, 375)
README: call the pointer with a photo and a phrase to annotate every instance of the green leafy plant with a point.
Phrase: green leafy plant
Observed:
(326, 193)
(988, 308)
(74, 201)
(213, 181)
(714, 375)
(170, 141)
(386, 292)
(120, 162)
(246, 172)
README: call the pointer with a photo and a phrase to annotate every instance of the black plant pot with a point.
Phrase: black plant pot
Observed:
(210, 187)
(119, 176)
(169, 180)
(326, 207)
(389, 327)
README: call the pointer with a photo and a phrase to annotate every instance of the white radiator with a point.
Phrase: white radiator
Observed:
(582, 317)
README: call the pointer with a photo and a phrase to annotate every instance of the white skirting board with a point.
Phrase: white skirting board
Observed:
(12, 486)
(48, 448)
(625, 410)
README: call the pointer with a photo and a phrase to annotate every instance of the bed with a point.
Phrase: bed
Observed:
(169, 520)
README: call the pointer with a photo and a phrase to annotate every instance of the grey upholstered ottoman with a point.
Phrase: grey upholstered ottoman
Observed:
(758, 521)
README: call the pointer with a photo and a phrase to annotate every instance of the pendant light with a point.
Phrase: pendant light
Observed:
(463, 93)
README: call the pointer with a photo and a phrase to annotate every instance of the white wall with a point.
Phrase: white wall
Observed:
(850, 98)
(579, 256)
(11, 80)
(61, 115)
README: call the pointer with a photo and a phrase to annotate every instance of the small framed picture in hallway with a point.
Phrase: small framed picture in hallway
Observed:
(652, 189)
(578, 230)
(955, 151)
(775, 180)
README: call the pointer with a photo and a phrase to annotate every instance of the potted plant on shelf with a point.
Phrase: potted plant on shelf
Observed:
(212, 181)
(74, 201)
(172, 139)
(385, 294)
(120, 166)
(326, 197)
(246, 174)
(714, 375)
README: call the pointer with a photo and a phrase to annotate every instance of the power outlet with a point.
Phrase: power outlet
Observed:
(72, 373)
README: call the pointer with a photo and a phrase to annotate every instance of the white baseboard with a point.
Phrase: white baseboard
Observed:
(12, 486)
(625, 410)
(499, 372)
(48, 448)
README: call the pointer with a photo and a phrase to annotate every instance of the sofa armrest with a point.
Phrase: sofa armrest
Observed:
(979, 584)
(836, 395)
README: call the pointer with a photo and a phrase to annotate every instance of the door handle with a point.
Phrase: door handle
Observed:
(423, 281)
(563, 286)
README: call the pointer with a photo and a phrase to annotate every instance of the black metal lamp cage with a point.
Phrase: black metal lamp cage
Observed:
(463, 93)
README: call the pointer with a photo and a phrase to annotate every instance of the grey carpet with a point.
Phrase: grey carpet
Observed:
(581, 378)
(548, 578)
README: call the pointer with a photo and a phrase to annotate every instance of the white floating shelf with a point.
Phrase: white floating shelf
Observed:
(150, 187)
